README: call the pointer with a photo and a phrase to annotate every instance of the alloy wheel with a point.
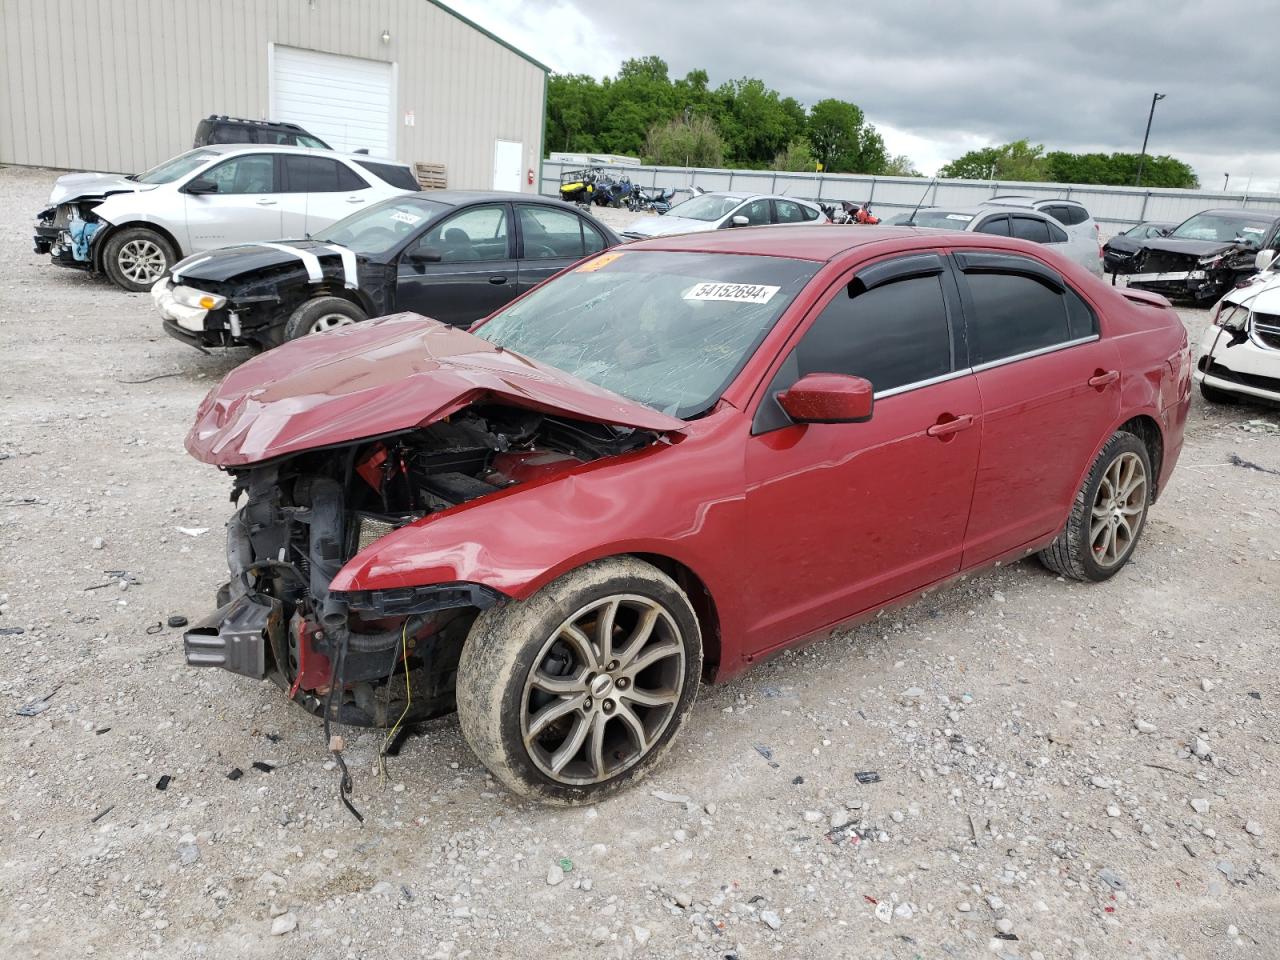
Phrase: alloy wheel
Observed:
(331, 321)
(1118, 509)
(142, 261)
(602, 689)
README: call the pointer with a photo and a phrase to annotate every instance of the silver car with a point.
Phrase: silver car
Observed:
(135, 228)
(1021, 222)
(717, 211)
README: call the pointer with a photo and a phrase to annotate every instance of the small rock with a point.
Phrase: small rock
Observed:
(896, 816)
(1200, 805)
(1111, 878)
(1004, 925)
(1253, 828)
(964, 906)
(1206, 685)
(839, 818)
(1232, 931)
(1144, 726)
(683, 900)
(641, 934)
(380, 889)
(1102, 783)
(1113, 810)
(710, 808)
(1201, 748)
(669, 797)
(587, 883)
(98, 543)
(811, 816)
(600, 934)
(285, 923)
(903, 911)
(188, 853)
(681, 836)
(770, 919)
(555, 875)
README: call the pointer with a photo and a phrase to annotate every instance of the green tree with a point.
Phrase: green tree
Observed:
(798, 157)
(900, 165)
(755, 121)
(1019, 160)
(1119, 169)
(842, 139)
(573, 108)
(685, 143)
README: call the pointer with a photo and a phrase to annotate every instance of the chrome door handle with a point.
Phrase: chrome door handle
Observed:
(265, 202)
(945, 428)
(1103, 377)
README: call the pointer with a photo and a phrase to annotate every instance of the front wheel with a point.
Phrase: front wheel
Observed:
(1214, 395)
(1108, 515)
(576, 692)
(136, 257)
(321, 314)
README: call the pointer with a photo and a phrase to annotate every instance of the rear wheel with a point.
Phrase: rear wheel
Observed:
(321, 314)
(1109, 513)
(136, 257)
(573, 694)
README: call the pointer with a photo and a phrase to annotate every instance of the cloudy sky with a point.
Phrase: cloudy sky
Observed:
(939, 78)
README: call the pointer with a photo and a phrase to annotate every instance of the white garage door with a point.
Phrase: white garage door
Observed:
(348, 102)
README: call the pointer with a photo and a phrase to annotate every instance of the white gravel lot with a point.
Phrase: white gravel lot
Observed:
(1064, 770)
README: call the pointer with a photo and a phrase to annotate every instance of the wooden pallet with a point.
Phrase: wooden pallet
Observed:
(431, 176)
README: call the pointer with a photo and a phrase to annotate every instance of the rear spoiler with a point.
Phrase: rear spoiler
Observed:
(1144, 297)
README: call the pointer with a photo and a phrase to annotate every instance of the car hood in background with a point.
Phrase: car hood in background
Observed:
(1189, 248)
(664, 225)
(74, 185)
(228, 263)
(1261, 293)
(379, 377)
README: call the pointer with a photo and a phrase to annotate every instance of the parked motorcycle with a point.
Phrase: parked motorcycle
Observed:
(612, 190)
(849, 212)
(657, 199)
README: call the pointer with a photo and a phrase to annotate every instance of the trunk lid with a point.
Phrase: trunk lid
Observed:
(379, 377)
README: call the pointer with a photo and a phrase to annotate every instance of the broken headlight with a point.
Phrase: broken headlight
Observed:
(191, 297)
(1229, 315)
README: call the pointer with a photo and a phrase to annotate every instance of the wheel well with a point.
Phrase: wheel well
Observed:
(704, 606)
(342, 293)
(1148, 431)
(100, 244)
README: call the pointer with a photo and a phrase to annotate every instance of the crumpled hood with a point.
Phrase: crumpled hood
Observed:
(228, 263)
(382, 376)
(1262, 296)
(74, 185)
(1188, 248)
(665, 225)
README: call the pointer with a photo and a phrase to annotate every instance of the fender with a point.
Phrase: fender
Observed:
(517, 541)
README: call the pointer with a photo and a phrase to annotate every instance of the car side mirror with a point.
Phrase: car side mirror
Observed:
(426, 255)
(738, 220)
(828, 398)
(1264, 259)
(1162, 231)
(200, 185)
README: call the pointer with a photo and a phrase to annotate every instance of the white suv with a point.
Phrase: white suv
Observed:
(135, 228)
(1070, 213)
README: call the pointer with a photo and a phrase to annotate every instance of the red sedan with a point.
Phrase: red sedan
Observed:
(666, 463)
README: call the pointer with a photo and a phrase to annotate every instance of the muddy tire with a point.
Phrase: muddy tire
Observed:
(136, 257)
(1108, 515)
(561, 717)
(321, 314)
(1214, 395)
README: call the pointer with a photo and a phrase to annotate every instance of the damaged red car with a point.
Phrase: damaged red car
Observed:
(664, 464)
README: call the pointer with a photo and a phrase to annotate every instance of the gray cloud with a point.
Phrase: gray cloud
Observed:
(1071, 75)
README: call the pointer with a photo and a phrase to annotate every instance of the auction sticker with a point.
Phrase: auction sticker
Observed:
(962, 217)
(402, 217)
(591, 266)
(732, 292)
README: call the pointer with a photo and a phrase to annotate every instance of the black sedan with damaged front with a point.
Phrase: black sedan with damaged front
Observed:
(452, 255)
(1204, 256)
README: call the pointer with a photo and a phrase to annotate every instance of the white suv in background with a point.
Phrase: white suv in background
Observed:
(1073, 216)
(135, 228)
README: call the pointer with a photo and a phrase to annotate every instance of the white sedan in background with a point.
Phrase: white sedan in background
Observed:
(134, 228)
(1240, 349)
(716, 211)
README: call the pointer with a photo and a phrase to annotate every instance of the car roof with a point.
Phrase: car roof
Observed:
(1024, 200)
(458, 198)
(819, 241)
(1239, 213)
(232, 148)
(978, 210)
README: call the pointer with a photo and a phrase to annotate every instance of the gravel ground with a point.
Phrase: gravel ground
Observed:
(1064, 770)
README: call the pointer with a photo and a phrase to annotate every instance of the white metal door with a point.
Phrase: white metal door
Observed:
(348, 102)
(508, 158)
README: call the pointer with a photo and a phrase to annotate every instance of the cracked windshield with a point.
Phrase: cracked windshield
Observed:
(669, 330)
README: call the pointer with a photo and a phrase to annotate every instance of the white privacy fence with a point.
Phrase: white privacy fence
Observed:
(1119, 207)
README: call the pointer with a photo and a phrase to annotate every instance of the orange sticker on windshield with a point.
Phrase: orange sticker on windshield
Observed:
(591, 266)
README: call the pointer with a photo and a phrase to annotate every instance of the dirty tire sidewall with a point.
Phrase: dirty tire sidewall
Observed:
(111, 257)
(501, 649)
(1071, 554)
(1214, 395)
(301, 320)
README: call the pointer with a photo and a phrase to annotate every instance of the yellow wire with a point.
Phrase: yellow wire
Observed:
(408, 699)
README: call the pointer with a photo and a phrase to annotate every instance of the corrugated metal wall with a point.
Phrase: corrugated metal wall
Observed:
(1120, 207)
(118, 85)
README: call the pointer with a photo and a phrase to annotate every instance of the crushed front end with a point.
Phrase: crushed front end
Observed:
(1179, 275)
(66, 232)
(369, 658)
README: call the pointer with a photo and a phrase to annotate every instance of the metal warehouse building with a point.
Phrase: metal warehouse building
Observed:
(119, 85)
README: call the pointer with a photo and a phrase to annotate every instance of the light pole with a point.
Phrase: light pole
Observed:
(1226, 178)
(1155, 98)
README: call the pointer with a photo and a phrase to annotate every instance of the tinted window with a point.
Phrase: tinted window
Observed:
(230, 134)
(756, 212)
(320, 175)
(788, 211)
(892, 335)
(389, 173)
(252, 173)
(1011, 314)
(1081, 320)
(594, 238)
(809, 213)
(1074, 215)
(551, 234)
(476, 234)
(1030, 228)
(1056, 233)
(997, 225)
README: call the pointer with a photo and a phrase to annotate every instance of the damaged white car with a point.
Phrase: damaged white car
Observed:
(134, 228)
(1240, 349)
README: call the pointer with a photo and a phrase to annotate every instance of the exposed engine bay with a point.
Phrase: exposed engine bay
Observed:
(371, 658)
(66, 230)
